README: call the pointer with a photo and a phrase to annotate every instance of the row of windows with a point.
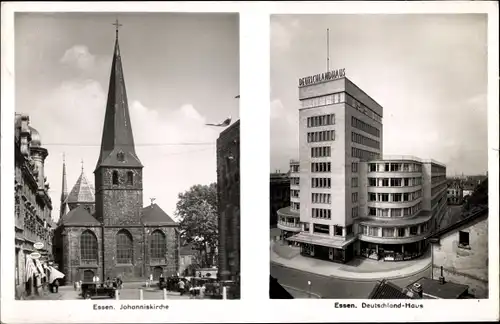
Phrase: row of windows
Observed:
(294, 193)
(437, 169)
(295, 167)
(354, 197)
(321, 198)
(395, 167)
(321, 182)
(321, 167)
(354, 182)
(394, 182)
(363, 140)
(354, 167)
(295, 181)
(295, 205)
(435, 179)
(323, 100)
(124, 246)
(395, 197)
(325, 229)
(321, 213)
(362, 108)
(361, 125)
(323, 120)
(437, 189)
(394, 212)
(322, 136)
(364, 155)
(394, 231)
(322, 151)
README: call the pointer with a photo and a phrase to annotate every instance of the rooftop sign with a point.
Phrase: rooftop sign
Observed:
(328, 76)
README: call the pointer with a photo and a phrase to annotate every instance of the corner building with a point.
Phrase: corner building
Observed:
(340, 130)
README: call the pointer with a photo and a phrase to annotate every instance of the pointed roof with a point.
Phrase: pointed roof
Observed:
(154, 215)
(117, 146)
(82, 192)
(64, 191)
(79, 217)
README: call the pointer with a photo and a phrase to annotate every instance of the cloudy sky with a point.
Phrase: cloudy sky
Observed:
(429, 72)
(181, 70)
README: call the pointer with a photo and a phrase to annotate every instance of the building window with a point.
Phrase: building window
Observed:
(354, 167)
(321, 151)
(401, 232)
(373, 167)
(337, 230)
(322, 229)
(115, 177)
(372, 196)
(321, 167)
(372, 211)
(463, 239)
(414, 230)
(387, 232)
(323, 120)
(130, 178)
(354, 197)
(372, 182)
(158, 245)
(88, 247)
(124, 247)
(373, 231)
(355, 211)
(354, 182)
(321, 213)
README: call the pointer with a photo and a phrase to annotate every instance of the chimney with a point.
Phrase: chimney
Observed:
(417, 289)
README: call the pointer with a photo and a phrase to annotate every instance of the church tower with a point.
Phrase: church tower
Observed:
(64, 193)
(118, 183)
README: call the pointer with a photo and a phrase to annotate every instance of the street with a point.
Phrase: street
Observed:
(68, 293)
(329, 287)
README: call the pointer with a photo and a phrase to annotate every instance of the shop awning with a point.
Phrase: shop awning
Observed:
(334, 242)
(39, 267)
(55, 274)
(30, 268)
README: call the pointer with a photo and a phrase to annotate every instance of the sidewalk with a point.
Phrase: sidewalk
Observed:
(359, 269)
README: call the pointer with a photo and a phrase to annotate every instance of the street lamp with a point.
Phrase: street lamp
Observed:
(309, 284)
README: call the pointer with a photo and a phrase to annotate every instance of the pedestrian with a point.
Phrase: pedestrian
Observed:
(56, 285)
(151, 279)
(181, 287)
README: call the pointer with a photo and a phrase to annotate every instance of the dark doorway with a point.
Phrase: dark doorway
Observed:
(157, 272)
(88, 276)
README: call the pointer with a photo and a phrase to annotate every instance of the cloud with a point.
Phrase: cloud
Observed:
(79, 56)
(165, 137)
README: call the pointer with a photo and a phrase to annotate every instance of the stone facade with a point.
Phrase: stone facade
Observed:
(33, 206)
(228, 197)
(467, 265)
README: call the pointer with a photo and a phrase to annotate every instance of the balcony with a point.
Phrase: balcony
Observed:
(288, 226)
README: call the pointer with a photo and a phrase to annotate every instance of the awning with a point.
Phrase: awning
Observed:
(30, 268)
(323, 240)
(55, 274)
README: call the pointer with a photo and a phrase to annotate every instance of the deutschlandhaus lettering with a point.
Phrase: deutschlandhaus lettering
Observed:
(391, 305)
(335, 74)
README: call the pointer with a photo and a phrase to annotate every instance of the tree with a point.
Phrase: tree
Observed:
(197, 211)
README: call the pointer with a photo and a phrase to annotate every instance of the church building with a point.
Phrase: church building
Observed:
(106, 231)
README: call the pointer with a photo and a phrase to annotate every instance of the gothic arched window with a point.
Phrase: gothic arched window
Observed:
(158, 245)
(115, 177)
(124, 247)
(88, 247)
(130, 178)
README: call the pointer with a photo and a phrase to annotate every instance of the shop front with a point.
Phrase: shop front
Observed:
(334, 254)
(392, 252)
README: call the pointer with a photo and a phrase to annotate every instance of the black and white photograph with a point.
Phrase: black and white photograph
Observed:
(379, 156)
(126, 156)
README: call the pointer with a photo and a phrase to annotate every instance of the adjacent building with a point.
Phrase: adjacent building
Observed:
(349, 199)
(289, 216)
(33, 209)
(279, 192)
(460, 253)
(455, 193)
(423, 288)
(107, 231)
(228, 197)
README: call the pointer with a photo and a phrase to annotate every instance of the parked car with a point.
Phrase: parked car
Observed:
(91, 289)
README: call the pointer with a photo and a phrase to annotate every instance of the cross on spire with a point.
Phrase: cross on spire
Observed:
(117, 26)
(152, 200)
(82, 164)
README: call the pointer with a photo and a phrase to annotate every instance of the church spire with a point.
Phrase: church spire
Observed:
(117, 146)
(64, 189)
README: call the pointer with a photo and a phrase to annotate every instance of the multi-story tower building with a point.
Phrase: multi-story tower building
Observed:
(279, 194)
(228, 199)
(353, 202)
(339, 126)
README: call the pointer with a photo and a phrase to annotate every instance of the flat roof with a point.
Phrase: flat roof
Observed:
(391, 157)
(448, 290)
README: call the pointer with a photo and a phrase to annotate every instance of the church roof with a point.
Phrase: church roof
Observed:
(117, 146)
(79, 217)
(82, 192)
(154, 215)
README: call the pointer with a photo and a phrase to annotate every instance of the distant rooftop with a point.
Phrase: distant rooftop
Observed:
(435, 289)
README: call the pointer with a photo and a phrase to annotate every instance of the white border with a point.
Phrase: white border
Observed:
(254, 51)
